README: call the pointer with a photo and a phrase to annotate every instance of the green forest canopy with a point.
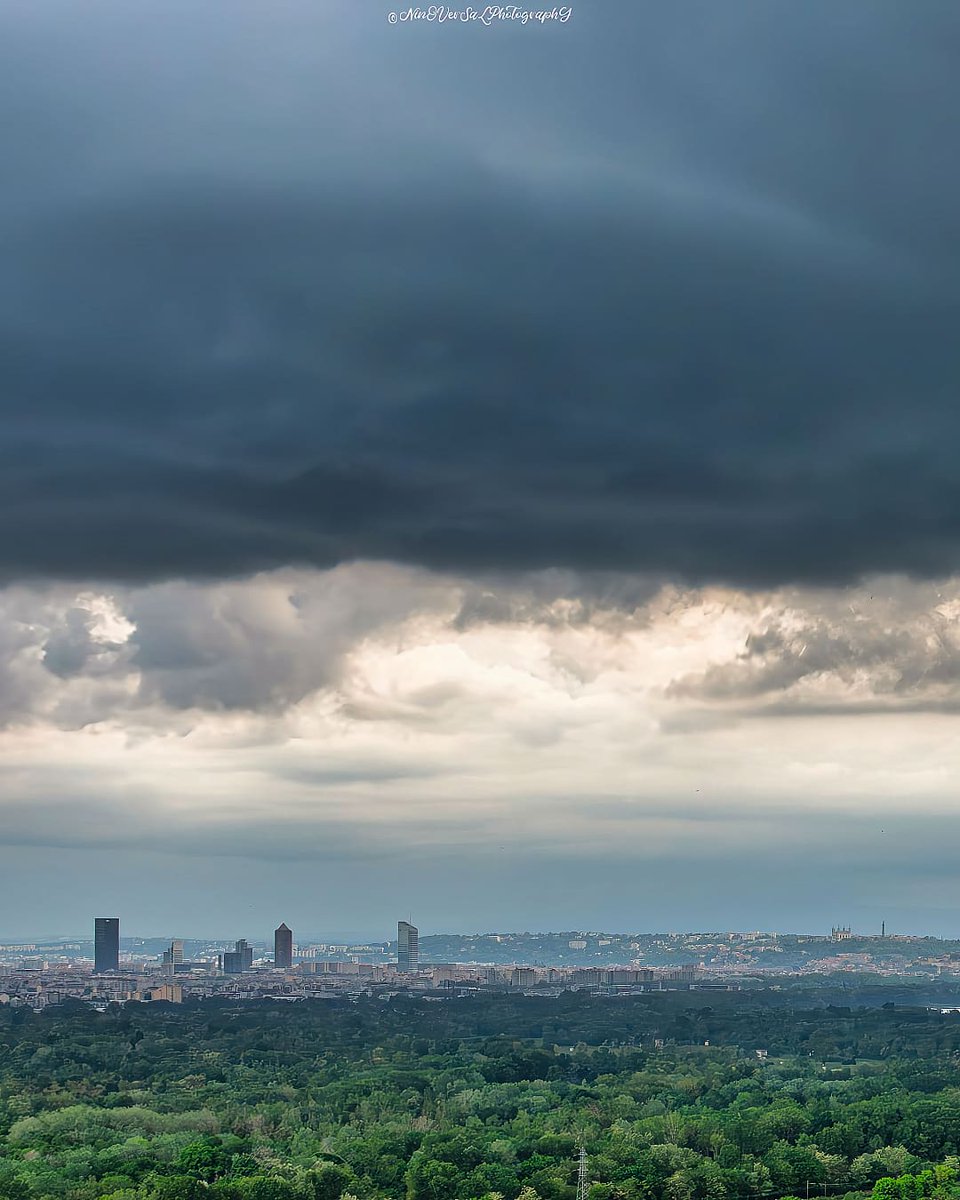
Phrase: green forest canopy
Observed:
(411, 1099)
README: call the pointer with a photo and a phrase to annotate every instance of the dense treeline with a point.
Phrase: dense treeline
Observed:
(413, 1099)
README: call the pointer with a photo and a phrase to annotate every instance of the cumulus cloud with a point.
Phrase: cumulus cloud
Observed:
(264, 644)
(72, 657)
(382, 643)
(887, 648)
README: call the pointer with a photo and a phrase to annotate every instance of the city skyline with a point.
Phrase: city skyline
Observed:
(174, 953)
(463, 469)
(143, 968)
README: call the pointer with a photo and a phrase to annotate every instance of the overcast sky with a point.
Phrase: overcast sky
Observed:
(503, 475)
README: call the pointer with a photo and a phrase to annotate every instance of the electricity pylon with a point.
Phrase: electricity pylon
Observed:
(582, 1182)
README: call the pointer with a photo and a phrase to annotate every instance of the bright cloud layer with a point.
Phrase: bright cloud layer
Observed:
(373, 709)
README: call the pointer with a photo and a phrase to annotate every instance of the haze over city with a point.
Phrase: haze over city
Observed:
(502, 475)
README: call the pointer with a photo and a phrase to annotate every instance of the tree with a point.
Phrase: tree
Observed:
(176, 1187)
(428, 1179)
(265, 1187)
(330, 1181)
(204, 1159)
(12, 1187)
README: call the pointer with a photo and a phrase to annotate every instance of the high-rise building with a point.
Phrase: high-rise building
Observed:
(173, 957)
(239, 959)
(106, 944)
(408, 946)
(283, 946)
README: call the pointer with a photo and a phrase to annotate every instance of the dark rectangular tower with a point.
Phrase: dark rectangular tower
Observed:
(283, 947)
(106, 944)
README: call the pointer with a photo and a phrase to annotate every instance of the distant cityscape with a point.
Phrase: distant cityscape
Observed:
(110, 969)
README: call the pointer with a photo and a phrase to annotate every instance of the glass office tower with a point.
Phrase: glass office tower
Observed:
(106, 944)
(408, 946)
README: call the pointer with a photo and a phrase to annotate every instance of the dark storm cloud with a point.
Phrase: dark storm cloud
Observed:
(670, 290)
